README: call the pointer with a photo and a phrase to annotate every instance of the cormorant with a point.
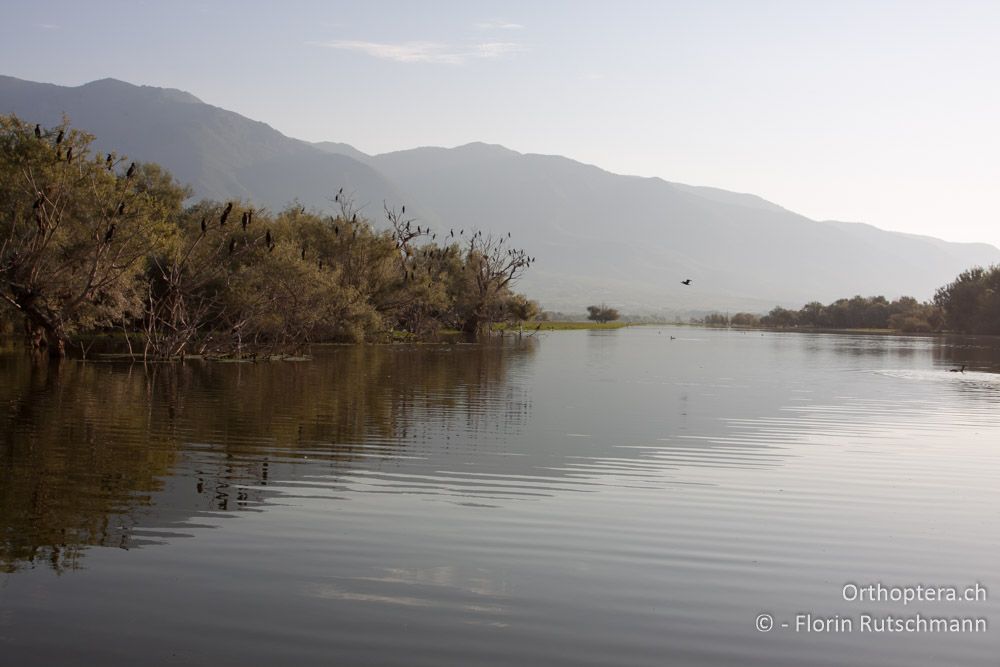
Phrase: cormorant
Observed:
(244, 221)
(69, 154)
(403, 210)
(686, 281)
(225, 214)
(59, 138)
(109, 162)
(38, 131)
(204, 225)
(267, 238)
(131, 171)
(110, 234)
(121, 208)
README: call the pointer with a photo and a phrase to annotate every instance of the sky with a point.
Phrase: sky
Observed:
(886, 112)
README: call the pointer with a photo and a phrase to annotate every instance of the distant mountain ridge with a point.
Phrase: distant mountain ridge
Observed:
(598, 236)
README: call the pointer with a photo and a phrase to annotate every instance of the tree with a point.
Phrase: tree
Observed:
(602, 313)
(75, 230)
(971, 303)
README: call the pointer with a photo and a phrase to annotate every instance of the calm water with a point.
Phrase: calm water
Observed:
(583, 498)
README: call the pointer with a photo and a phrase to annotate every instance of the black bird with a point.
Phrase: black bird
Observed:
(957, 370)
(110, 234)
(121, 208)
(38, 131)
(340, 191)
(244, 220)
(232, 246)
(69, 154)
(109, 162)
(267, 237)
(59, 138)
(354, 218)
(249, 216)
(225, 214)
(686, 281)
(303, 253)
(403, 210)
(336, 230)
(204, 225)
(131, 171)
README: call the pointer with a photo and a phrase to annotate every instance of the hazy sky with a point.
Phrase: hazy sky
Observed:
(883, 112)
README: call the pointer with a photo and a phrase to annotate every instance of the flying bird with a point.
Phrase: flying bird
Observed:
(686, 281)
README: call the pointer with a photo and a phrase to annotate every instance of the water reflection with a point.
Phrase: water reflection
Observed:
(85, 447)
(579, 498)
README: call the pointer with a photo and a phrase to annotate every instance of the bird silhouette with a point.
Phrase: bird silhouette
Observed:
(110, 234)
(121, 208)
(69, 154)
(38, 131)
(59, 138)
(131, 171)
(109, 162)
(225, 214)
(204, 225)
(267, 238)
(244, 220)
(686, 281)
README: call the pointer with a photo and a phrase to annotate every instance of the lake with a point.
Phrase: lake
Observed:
(628, 497)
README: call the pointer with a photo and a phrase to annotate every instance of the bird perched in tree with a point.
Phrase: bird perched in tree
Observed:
(204, 225)
(244, 220)
(232, 245)
(686, 281)
(403, 210)
(121, 208)
(38, 131)
(131, 171)
(225, 214)
(354, 218)
(69, 154)
(59, 137)
(336, 230)
(303, 253)
(110, 234)
(109, 162)
(267, 239)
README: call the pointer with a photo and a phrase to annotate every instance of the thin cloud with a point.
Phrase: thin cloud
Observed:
(426, 52)
(499, 25)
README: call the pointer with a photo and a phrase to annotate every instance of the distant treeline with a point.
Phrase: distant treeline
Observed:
(969, 304)
(94, 244)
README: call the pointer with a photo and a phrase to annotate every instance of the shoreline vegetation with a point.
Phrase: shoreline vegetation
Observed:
(95, 244)
(95, 249)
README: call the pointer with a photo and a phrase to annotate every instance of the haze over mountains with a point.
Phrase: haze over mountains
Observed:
(597, 236)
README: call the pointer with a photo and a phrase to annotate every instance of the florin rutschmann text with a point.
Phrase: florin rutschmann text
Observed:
(869, 621)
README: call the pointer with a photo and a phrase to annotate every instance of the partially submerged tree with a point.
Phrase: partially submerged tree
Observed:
(75, 230)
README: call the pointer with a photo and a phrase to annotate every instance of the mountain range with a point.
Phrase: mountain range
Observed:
(597, 236)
